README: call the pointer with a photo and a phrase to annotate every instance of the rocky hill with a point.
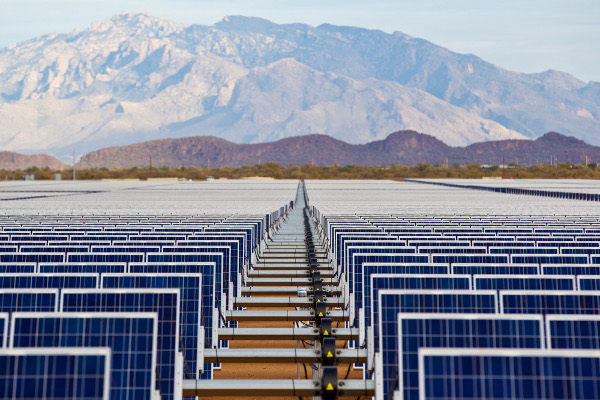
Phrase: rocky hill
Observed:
(405, 148)
(136, 77)
(13, 161)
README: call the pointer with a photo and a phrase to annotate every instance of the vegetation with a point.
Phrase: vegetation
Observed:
(278, 171)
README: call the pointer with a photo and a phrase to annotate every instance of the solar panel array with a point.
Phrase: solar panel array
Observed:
(123, 283)
(447, 284)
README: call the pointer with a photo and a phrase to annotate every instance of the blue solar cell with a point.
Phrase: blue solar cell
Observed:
(524, 282)
(472, 259)
(104, 257)
(48, 281)
(458, 330)
(393, 302)
(570, 269)
(573, 331)
(542, 259)
(585, 282)
(165, 302)
(82, 268)
(17, 268)
(31, 257)
(131, 337)
(190, 323)
(546, 302)
(28, 300)
(55, 374)
(502, 374)
(495, 269)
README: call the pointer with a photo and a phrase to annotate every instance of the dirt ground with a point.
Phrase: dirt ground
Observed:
(271, 371)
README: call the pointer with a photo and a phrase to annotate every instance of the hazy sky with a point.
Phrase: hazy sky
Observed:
(521, 35)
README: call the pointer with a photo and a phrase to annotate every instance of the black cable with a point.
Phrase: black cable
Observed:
(219, 309)
(159, 382)
(185, 363)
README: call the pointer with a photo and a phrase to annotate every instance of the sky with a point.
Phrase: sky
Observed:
(520, 35)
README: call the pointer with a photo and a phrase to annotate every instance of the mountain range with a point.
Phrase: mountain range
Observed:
(135, 78)
(400, 148)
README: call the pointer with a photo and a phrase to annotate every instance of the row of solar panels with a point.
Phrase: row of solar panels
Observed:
(557, 194)
(417, 270)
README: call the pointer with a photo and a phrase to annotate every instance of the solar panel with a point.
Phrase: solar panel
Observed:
(394, 302)
(524, 282)
(585, 282)
(17, 268)
(28, 300)
(508, 374)
(408, 281)
(456, 330)
(559, 269)
(190, 319)
(210, 292)
(132, 338)
(495, 269)
(362, 290)
(82, 268)
(165, 302)
(573, 331)
(4, 318)
(55, 374)
(549, 302)
(197, 259)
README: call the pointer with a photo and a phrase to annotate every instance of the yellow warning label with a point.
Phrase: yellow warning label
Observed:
(329, 354)
(320, 314)
(326, 333)
(318, 301)
(329, 387)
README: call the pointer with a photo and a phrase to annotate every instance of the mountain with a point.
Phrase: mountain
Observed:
(401, 148)
(136, 77)
(12, 161)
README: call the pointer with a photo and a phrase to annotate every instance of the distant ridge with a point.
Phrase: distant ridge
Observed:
(400, 148)
(12, 161)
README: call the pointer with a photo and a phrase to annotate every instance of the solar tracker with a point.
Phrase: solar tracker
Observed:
(524, 282)
(508, 374)
(55, 374)
(456, 331)
(165, 302)
(190, 319)
(549, 302)
(132, 338)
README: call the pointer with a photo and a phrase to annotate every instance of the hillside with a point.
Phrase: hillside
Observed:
(400, 148)
(13, 161)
